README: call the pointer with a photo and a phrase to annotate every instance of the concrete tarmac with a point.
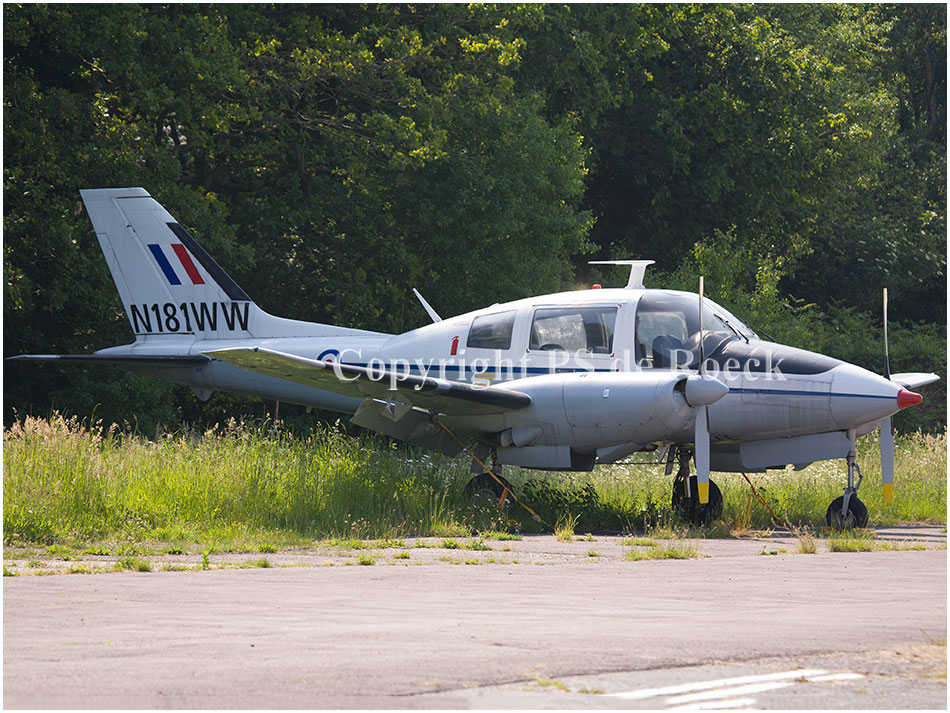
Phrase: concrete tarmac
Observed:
(536, 624)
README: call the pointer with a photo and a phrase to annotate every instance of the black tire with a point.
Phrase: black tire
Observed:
(690, 507)
(484, 490)
(857, 515)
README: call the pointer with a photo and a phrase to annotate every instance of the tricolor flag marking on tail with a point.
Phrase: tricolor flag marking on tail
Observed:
(186, 263)
(183, 257)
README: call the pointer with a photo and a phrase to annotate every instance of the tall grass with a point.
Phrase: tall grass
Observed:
(243, 484)
(62, 481)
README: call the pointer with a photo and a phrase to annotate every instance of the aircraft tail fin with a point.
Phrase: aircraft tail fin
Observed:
(168, 284)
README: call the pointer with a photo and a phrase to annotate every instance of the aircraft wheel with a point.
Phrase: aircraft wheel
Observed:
(857, 515)
(486, 491)
(690, 507)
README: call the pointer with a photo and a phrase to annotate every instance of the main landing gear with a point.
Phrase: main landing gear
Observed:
(686, 494)
(489, 489)
(847, 511)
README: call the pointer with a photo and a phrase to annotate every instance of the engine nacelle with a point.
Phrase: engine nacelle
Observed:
(573, 415)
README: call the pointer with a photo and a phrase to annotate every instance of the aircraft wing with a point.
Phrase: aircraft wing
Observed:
(913, 380)
(438, 395)
(169, 360)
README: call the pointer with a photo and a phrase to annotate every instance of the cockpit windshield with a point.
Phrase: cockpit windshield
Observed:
(667, 329)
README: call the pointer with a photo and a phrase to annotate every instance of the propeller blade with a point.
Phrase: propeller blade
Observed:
(701, 440)
(701, 436)
(887, 357)
(887, 459)
(887, 427)
(702, 357)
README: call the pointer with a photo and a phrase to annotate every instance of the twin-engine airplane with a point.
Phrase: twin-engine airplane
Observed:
(558, 382)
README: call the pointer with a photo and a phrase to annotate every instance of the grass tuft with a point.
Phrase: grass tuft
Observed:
(564, 528)
(806, 542)
(262, 563)
(501, 536)
(638, 542)
(667, 551)
(856, 540)
(134, 564)
(477, 545)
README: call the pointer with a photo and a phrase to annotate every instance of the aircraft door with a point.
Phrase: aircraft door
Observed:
(571, 338)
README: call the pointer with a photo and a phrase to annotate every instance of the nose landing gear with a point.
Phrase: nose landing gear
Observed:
(686, 495)
(847, 511)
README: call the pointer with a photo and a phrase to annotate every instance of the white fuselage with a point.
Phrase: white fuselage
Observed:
(774, 391)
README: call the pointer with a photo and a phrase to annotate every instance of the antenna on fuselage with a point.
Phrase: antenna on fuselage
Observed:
(433, 315)
(637, 268)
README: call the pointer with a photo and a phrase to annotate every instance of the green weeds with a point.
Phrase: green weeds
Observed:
(238, 487)
(856, 540)
(501, 536)
(477, 545)
(638, 542)
(134, 564)
(262, 563)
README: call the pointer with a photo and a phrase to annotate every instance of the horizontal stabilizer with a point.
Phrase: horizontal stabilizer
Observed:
(437, 395)
(912, 380)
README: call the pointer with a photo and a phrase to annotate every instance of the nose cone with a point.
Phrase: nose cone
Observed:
(908, 398)
(704, 390)
(860, 397)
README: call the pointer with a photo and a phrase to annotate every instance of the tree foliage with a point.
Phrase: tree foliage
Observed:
(481, 153)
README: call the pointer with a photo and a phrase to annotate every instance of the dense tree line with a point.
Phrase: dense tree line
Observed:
(332, 157)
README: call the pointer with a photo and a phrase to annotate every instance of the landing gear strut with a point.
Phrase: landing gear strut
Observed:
(847, 511)
(686, 494)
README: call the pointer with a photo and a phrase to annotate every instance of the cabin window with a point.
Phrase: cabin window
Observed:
(574, 329)
(492, 331)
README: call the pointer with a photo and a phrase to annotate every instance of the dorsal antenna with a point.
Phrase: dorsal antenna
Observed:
(433, 315)
(637, 268)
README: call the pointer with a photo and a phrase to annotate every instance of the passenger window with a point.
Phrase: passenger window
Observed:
(491, 331)
(574, 329)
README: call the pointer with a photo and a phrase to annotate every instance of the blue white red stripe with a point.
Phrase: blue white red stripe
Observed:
(184, 259)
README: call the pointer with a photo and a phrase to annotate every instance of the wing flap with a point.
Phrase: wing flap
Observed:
(437, 395)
